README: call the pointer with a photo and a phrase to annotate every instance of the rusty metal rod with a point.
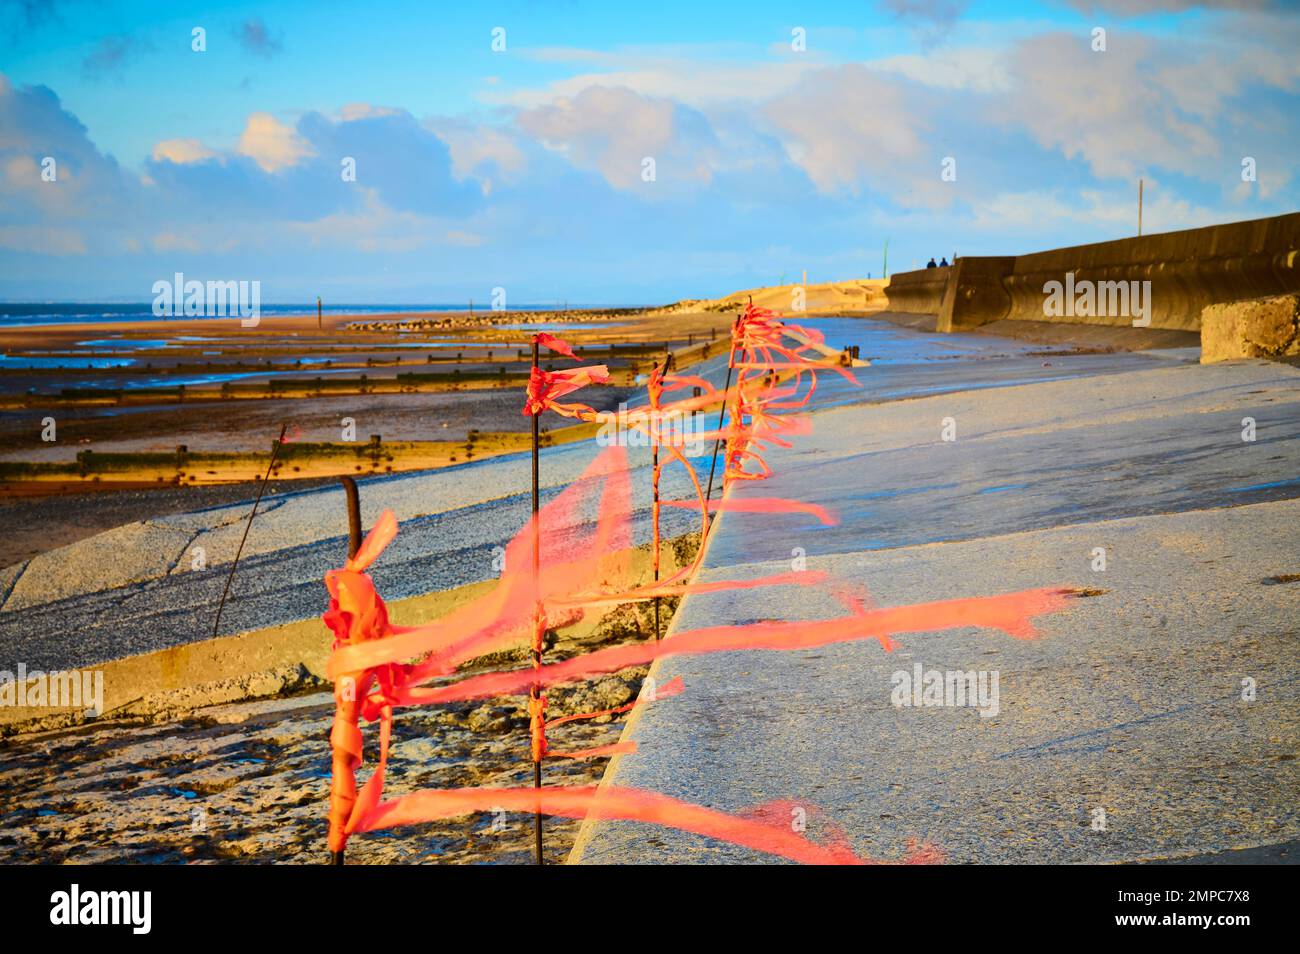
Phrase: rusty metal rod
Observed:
(354, 544)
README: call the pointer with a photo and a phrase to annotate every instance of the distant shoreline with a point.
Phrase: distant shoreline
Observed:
(44, 315)
(65, 334)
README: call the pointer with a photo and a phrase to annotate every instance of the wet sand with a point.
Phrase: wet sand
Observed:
(196, 348)
(254, 425)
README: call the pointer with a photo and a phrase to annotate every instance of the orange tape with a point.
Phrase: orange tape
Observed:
(583, 568)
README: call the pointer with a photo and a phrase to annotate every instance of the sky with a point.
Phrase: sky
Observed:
(618, 153)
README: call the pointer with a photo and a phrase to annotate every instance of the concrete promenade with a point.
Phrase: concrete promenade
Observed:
(1127, 713)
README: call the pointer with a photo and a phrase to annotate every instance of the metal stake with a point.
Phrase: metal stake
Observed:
(537, 650)
(354, 544)
(654, 483)
(275, 450)
(722, 411)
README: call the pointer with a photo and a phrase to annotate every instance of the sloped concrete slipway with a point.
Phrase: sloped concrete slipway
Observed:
(1155, 718)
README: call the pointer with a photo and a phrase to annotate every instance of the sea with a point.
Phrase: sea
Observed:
(36, 314)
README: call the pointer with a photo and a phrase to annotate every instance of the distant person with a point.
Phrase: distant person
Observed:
(943, 263)
(930, 263)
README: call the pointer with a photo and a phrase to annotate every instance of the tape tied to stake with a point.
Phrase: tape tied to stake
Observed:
(378, 666)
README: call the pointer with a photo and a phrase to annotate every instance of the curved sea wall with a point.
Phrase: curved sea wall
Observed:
(1107, 282)
(920, 292)
(976, 294)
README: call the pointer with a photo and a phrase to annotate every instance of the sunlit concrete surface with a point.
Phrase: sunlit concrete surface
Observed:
(1126, 714)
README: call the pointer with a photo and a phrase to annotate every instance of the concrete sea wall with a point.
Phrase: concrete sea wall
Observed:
(918, 293)
(1188, 270)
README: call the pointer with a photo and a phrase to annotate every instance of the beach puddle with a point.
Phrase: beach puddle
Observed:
(135, 344)
(69, 363)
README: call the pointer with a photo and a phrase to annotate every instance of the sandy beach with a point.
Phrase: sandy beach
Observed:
(111, 389)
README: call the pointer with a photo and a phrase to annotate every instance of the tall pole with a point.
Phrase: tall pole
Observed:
(537, 637)
(722, 412)
(318, 315)
(1140, 183)
(275, 450)
(654, 483)
(354, 544)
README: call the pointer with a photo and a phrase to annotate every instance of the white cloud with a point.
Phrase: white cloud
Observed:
(272, 144)
(967, 68)
(353, 111)
(478, 151)
(1111, 109)
(21, 172)
(42, 239)
(571, 54)
(174, 242)
(374, 228)
(37, 133)
(851, 128)
(1142, 104)
(182, 151)
(695, 75)
(1033, 211)
(614, 130)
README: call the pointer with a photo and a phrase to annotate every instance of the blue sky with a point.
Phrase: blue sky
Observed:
(525, 168)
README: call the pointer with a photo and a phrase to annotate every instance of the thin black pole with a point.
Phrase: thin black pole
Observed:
(722, 411)
(354, 544)
(537, 650)
(275, 450)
